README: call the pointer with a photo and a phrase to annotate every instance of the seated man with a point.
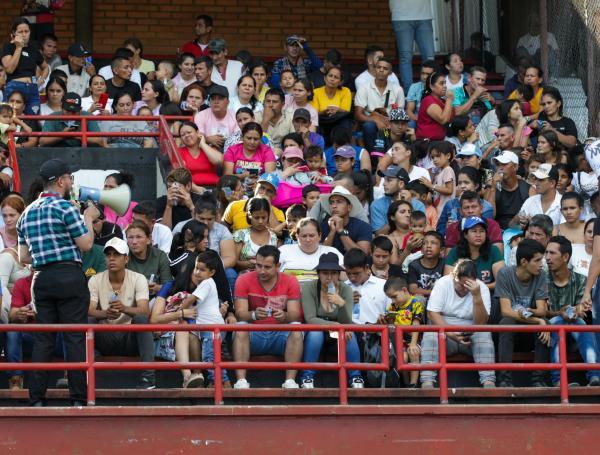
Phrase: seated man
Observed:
(473, 99)
(565, 291)
(162, 237)
(77, 70)
(459, 299)
(523, 291)
(274, 120)
(217, 122)
(547, 199)
(71, 105)
(539, 229)
(294, 61)
(178, 204)
(120, 296)
(266, 296)
(121, 79)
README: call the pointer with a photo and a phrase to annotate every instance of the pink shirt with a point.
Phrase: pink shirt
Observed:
(291, 106)
(235, 155)
(209, 125)
(121, 221)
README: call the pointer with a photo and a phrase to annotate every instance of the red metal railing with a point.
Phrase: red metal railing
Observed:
(342, 365)
(167, 145)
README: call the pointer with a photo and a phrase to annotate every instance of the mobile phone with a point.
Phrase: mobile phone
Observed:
(88, 60)
(304, 169)
(103, 99)
(253, 171)
(71, 124)
(466, 334)
(540, 124)
(184, 106)
(228, 192)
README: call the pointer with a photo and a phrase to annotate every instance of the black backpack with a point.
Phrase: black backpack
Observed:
(372, 354)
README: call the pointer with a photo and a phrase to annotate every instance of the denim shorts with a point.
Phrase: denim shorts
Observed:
(268, 343)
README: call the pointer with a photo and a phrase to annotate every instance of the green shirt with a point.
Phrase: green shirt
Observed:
(570, 294)
(57, 126)
(484, 268)
(93, 261)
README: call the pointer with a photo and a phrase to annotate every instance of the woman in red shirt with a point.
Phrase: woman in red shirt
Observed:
(435, 111)
(199, 157)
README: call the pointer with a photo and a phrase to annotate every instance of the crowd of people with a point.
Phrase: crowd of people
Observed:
(307, 195)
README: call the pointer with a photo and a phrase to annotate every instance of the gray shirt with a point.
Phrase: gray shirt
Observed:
(508, 286)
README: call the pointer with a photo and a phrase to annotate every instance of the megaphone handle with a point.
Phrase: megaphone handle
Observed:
(95, 204)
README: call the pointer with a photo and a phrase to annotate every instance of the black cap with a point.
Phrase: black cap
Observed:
(329, 261)
(219, 90)
(396, 172)
(53, 169)
(77, 50)
(301, 113)
(72, 102)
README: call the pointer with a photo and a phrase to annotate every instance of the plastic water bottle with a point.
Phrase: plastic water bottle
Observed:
(331, 288)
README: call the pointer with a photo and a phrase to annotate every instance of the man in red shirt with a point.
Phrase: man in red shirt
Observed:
(471, 205)
(202, 29)
(266, 296)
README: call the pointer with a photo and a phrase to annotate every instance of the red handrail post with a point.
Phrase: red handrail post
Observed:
(443, 373)
(385, 347)
(342, 368)
(399, 348)
(12, 153)
(91, 372)
(564, 373)
(84, 131)
(218, 378)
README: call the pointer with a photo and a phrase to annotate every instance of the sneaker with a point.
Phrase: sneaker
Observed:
(570, 385)
(147, 383)
(539, 384)
(427, 385)
(241, 384)
(290, 384)
(308, 383)
(594, 381)
(62, 383)
(15, 382)
(505, 384)
(489, 385)
(194, 381)
(357, 383)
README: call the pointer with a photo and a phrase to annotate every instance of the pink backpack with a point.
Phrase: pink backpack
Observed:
(288, 194)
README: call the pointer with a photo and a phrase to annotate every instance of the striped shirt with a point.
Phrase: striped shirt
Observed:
(48, 227)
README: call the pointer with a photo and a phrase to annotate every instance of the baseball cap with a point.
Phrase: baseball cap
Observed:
(292, 152)
(292, 39)
(506, 156)
(77, 50)
(72, 102)
(217, 45)
(470, 150)
(545, 171)
(398, 115)
(270, 178)
(472, 221)
(345, 151)
(397, 172)
(219, 90)
(117, 244)
(53, 169)
(301, 113)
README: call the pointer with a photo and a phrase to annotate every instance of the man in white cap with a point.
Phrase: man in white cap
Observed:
(506, 192)
(469, 155)
(342, 229)
(547, 199)
(120, 296)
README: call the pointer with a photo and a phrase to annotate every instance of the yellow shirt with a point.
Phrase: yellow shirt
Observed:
(341, 99)
(534, 103)
(235, 215)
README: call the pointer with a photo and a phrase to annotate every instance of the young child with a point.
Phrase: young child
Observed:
(381, 255)
(310, 196)
(423, 194)
(165, 72)
(286, 82)
(294, 170)
(293, 214)
(8, 123)
(534, 163)
(444, 182)
(425, 271)
(316, 165)
(418, 226)
(405, 310)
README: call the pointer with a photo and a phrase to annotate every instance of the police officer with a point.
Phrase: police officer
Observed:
(51, 236)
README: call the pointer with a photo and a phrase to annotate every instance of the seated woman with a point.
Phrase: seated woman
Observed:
(55, 91)
(154, 95)
(333, 102)
(17, 101)
(229, 189)
(508, 112)
(112, 181)
(552, 119)
(200, 158)
(328, 302)
(475, 245)
(92, 103)
(548, 146)
(571, 208)
(260, 72)
(246, 88)
(123, 106)
(147, 259)
(436, 109)
(192, 99)
(534, 79)
(340, 137)
(461, 131)
(186, 75)
(398, 216)
(582, 253)
(302, 92)
(249, 240)
(243, 116)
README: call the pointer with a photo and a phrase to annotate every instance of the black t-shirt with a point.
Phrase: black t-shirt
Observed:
(423, 277)
(564, 126)
(179, 212)
(509, 203)
(30, 59)
(35, 127)
(130, 87)
(596, 229)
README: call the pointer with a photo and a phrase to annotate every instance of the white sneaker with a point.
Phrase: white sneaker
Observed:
(308, 383)
(241, 384)
(357, 383)
(290, 384)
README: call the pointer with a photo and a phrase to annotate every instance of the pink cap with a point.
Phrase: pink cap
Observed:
(293, 152)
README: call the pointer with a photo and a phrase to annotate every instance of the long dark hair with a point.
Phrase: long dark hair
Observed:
(192, 231)
(159, 87)
(431, 80)
(503, 110)
(474, 176)
(463, 251)
(392, 212)
(253, 99)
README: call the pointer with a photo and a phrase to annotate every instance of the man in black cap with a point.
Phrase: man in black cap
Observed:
(217, 122)
(301, 123)
(293, 60)
(71, 105)
(51, 236)
(78, 71)
(225, 72)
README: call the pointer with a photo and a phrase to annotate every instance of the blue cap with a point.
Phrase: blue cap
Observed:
(469, 150)
(472, 221)
(269, 177)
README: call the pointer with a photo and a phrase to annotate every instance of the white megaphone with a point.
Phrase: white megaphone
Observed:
(117, 199)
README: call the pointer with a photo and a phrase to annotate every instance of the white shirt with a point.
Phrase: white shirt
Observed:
(411, 10)
(365, 78)
(78, 83)
(235, 104)
(296, 262)
(370, 98)
(532, 43)
(580, 259)
(373, 301)
(106, 73)
(451, 86)
(456, 310)
(533, 206)
(162, 237)
(207, 302)
(232, 74)
(86, 105)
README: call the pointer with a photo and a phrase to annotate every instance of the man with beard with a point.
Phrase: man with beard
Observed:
(51, 236)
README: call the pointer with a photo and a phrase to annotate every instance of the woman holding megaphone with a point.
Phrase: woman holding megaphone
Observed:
(111, 182)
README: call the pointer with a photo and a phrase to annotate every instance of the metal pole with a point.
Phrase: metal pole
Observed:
(443, 374)
(564, 374)
(544, 37)
(91, 372)
(343, 377)
(218, 373)
(481, 31)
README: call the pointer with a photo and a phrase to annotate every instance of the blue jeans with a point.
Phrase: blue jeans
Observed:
(268, 343)
(369, 130)
(19, 342)
(586, 343)
(231, 275)
(206, 338)
(407, 32)
(313, 342)
(29, 91)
